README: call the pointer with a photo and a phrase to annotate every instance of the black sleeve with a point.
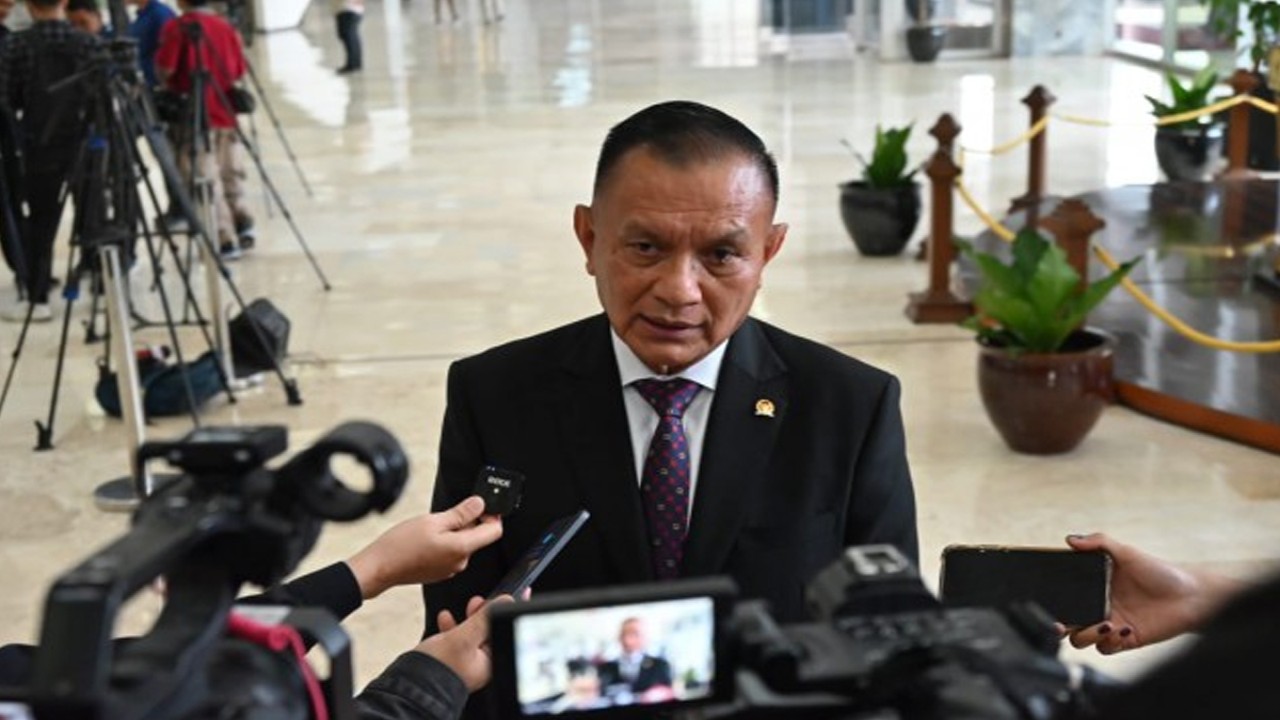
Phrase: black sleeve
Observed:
(461, 457)
(882, 506)
(414, 686)
(333, 588)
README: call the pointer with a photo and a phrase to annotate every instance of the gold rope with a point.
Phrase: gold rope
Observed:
(1143, 299)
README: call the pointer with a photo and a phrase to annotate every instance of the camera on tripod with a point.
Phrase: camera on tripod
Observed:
(880, 646)
(227, 520)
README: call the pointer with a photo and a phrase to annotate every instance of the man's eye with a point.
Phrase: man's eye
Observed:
(725, 254)
(643, 247)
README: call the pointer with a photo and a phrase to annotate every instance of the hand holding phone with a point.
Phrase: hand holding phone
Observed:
(536, 559)
(1073, 587)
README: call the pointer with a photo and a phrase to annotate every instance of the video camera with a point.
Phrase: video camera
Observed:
(227, 520)
(880, 646)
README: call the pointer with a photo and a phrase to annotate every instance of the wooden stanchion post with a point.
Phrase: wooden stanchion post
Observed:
(1242, 82)
(938, 304)
(1037, 102)
(1073, 223)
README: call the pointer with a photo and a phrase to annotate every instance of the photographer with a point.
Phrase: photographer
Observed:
(51, 127)
(432, 680)
(200, 42)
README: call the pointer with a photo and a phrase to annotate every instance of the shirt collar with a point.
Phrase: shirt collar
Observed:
(631, 368)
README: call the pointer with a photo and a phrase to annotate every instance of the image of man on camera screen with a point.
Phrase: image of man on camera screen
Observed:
(615, 656)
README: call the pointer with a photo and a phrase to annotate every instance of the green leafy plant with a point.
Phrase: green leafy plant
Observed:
(888, 164)
(1185, 98)
(1264, 24)
(1035, 302)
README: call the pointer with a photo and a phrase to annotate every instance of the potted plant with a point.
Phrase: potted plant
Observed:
(1262, 18)
(924, 39)
(1185, 149)
(1044, 378)
(881, 210)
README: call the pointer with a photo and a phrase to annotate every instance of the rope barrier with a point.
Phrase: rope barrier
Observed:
(1177, 324)
(1042, 123)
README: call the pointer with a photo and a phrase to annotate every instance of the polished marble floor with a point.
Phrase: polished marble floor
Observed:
(444, 179)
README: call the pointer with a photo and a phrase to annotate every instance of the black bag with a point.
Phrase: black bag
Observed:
(164, 392)
(261, 350)
(242, 101)
(171, 107)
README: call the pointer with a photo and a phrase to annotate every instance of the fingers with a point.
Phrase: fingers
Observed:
(485, 533)
(445, 621)
(1092, 541)
(464, 513)
(474, 604)
(1091, 635)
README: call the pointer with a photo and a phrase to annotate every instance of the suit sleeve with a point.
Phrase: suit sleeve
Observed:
(461, 457)
(882, 506)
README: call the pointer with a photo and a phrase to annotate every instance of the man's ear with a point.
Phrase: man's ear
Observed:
(773, 243)
(584, 228)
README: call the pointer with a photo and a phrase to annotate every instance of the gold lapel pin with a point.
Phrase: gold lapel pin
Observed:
(764, 408)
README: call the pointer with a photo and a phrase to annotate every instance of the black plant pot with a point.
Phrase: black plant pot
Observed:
(879, 220)
(1187, 153)
(924, 42)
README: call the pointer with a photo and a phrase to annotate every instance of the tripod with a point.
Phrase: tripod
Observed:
(109, 169)
(202, 81)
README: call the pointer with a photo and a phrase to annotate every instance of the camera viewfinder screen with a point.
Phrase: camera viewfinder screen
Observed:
(595, 658)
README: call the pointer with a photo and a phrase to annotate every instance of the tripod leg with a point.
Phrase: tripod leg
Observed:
(266, 194)
(17, 355)
(284, 210)
(275, 122)
(111, 496)
(44, 431)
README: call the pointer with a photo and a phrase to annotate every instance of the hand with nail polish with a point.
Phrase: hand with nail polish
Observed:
(1151, 600)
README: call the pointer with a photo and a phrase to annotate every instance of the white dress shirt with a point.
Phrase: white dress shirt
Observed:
(643, 419)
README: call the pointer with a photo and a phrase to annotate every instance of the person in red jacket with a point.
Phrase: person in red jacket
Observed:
(201, 41)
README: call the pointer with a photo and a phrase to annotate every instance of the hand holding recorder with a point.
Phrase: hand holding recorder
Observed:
(425, 549)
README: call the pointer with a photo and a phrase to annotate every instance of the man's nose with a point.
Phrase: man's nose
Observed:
(679, 282)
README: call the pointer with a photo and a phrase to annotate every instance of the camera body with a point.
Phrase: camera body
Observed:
(225, 521)
(880, 646)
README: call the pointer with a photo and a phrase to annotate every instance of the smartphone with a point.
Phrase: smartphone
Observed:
(539, 556)
(1073, 587)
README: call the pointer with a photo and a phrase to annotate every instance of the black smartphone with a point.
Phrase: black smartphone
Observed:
(1073, 587)
(539, 556)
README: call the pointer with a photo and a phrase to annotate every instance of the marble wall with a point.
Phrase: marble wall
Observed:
(1061, 27)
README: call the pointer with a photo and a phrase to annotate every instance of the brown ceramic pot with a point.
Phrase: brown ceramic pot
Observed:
(1043, 404)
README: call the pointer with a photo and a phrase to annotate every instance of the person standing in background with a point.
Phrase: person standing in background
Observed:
(348, 14)
(145, 28)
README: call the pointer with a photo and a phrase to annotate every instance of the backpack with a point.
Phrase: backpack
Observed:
(164, 394)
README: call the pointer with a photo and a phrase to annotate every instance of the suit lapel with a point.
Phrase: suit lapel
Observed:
(739, 442)
(594, 429)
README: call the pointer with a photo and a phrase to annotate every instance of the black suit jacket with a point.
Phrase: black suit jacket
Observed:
(654, 671)
(778, 498)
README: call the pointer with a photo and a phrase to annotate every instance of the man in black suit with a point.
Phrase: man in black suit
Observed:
(788, 451)
(635, 670)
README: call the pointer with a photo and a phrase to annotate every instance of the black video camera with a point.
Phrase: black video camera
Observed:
(881, 646)
(227, 520)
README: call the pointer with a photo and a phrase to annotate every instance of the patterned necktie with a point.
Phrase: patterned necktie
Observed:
(664, 483)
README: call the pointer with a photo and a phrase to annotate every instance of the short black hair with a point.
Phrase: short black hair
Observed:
(680, 132)
(90, 5)
(45, 3)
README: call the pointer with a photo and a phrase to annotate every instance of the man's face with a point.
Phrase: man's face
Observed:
(631, 637)
(85, 20)
(677, 252)
(6, 7)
